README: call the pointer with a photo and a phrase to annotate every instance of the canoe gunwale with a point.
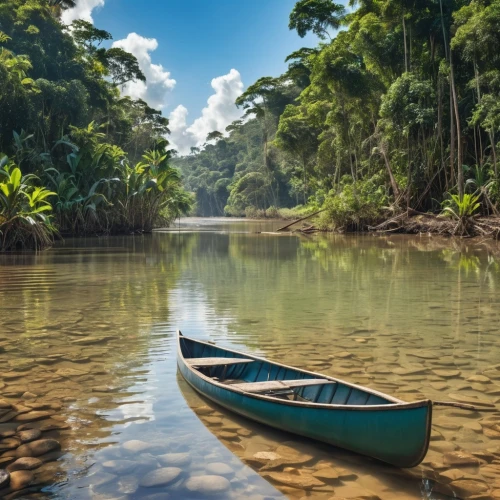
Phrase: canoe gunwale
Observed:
(395, 405)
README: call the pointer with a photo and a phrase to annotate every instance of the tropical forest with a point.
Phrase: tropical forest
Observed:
(395, 113)
(78, 158)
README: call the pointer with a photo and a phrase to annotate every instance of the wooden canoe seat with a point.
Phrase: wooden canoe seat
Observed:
(209, 362)
(276, 385)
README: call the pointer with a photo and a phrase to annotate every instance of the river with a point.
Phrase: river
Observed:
(90, 327)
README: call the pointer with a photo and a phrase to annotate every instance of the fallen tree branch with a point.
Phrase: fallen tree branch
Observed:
(299, 220)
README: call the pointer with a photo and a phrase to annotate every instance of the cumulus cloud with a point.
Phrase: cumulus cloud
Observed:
(217, 115)
(158, 82)
(83, 10)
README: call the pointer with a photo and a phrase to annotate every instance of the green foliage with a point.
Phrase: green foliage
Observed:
(356, 206)
(25, 222)
(461, 208)
(387, 113)
(316, 16)
(79, 138)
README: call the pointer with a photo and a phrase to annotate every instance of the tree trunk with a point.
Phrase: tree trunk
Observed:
(440, 126)
(444, 30)
(493, 151)
(404, 40)
(452, 140)
(394, 184)
(304, 166)
(408, 182)
(460, 176)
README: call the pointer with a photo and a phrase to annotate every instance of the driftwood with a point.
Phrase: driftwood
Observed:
(307, 230)
(299, 220)
(413, 221)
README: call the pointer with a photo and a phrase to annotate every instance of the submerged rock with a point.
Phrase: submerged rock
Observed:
(220, 469)
(128, 485)
(469, 487)
(208, 485)
(21, 479)
(120, 467)
(460, 459)
(29, 435)
(174, 459)
(294, 480)
(328, 475)
(25, 463)
(160, 477)
(135, 445)
(37, 448)
(32, 416)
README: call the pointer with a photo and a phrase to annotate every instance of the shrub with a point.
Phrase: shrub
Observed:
(24, 208)
(355, 207)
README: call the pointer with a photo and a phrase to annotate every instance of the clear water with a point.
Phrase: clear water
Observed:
(91, 324)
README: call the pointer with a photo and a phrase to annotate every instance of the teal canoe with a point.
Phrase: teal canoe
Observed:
(308, 404)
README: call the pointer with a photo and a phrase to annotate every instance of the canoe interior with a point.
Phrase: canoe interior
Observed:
(263, 371)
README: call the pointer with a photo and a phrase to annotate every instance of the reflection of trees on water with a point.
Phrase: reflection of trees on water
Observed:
(77, 321)
(334, 283)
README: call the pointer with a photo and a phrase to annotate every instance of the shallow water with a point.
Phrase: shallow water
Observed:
(91, 325)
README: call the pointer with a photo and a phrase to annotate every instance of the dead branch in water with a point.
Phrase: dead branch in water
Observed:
(419, 222)
(299, 220)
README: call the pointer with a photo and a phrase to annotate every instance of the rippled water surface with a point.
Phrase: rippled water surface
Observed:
(90, 325)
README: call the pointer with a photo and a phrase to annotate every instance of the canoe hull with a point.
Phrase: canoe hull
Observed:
(396, 435)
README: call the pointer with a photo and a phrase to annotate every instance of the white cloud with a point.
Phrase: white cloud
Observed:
(217, 115)
(83, 10)
(158, 82)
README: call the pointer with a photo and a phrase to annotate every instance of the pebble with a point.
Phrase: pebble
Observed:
(447, 373)
(220, 469)
(213, 420)
(9, 444)
(120, 467)
(25, 463)
(228, 435)
(263, 457)
(293, 480)
(208, 485)
(480, 379)
(328, 475)
(37, 448)
(174, 459)
(29, 395)
(469, 487)
(452, 475)
(442, 446)
(136, 445)
(460, 459)
(128, 485)
(160, 477)
(29, 435)
(292, 456)
(32, 416)
(21, 479)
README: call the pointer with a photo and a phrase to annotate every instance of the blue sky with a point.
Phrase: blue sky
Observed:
(201, 39)
(182, 45)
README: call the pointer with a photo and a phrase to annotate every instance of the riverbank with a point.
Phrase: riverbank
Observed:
(410, 222)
